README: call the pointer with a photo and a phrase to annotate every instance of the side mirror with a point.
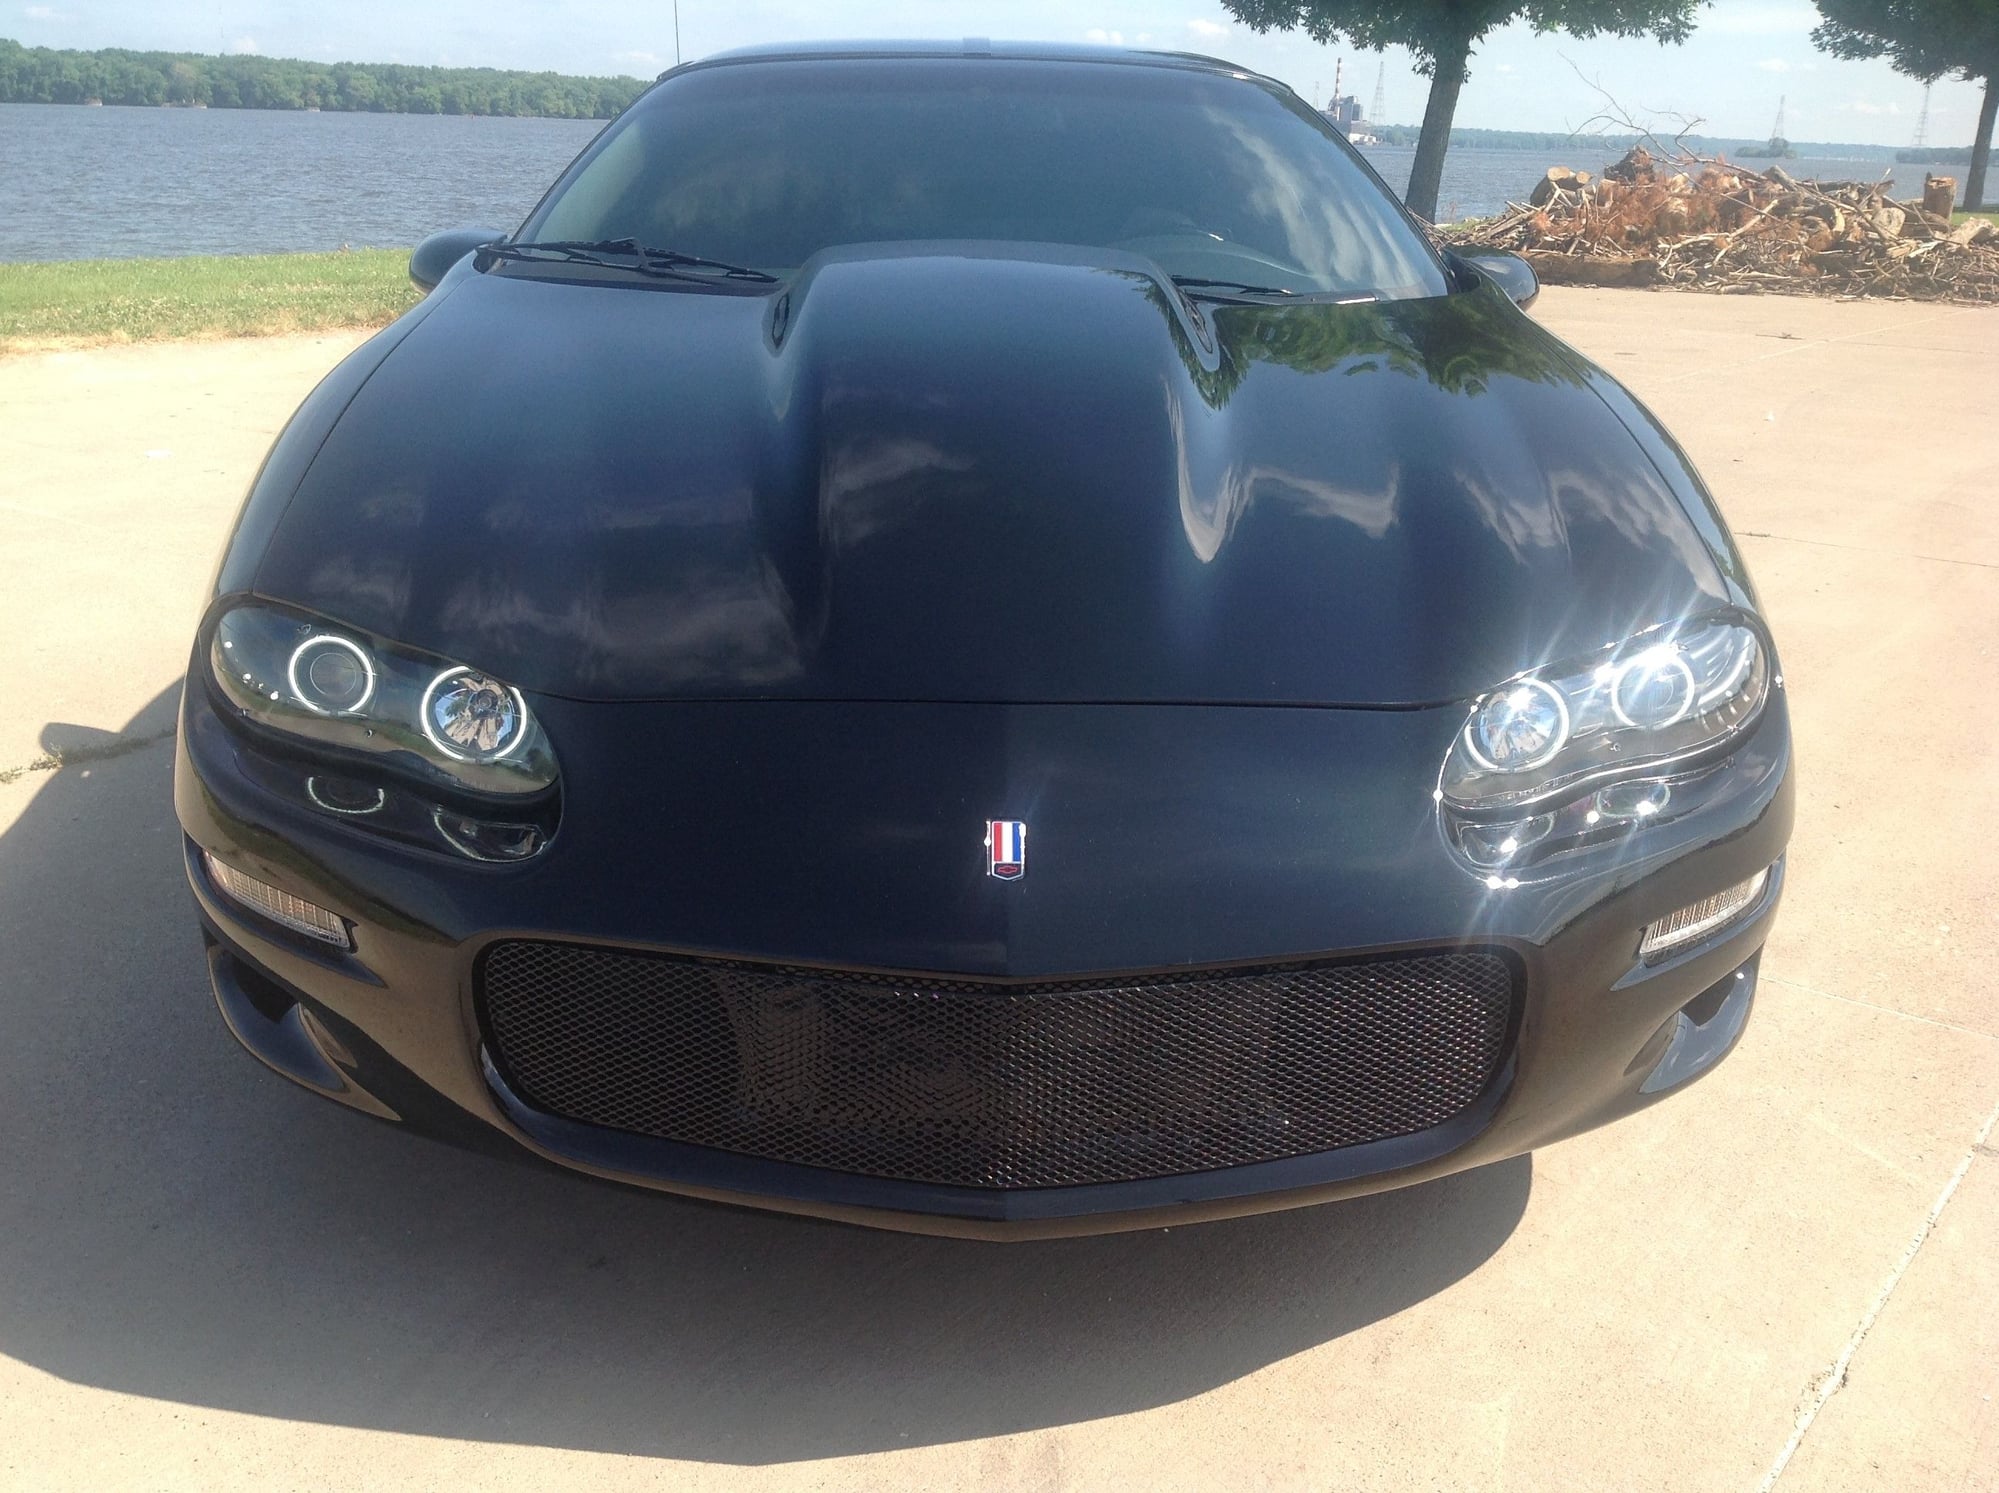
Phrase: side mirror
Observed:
(437, 254)
(1505, 269)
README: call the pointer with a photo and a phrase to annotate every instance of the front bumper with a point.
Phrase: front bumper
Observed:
(392, 1027)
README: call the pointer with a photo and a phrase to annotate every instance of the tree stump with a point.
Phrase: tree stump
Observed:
(1939, 195)
(1558, 180)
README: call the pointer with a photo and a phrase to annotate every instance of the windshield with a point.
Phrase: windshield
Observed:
(1213, 177)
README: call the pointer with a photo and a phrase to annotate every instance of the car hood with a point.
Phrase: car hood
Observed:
(950, 473)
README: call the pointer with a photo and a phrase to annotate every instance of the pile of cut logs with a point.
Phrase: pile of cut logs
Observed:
(1708, 224)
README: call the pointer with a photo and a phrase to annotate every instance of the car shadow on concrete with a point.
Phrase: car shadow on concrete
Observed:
(176, 1222)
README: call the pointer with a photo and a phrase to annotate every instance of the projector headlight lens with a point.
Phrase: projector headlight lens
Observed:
(331, 674)
(1665, 696)
(413, 712)
(1654, 690)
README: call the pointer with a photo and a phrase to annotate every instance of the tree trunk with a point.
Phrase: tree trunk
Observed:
(1427, 174)
(1981, 147)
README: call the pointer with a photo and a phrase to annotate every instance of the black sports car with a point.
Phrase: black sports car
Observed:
(984, 640)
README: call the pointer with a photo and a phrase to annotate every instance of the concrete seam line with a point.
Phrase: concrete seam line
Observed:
(1834, 544)
(1854, 1000)
(77, 756)
(1834, 1378)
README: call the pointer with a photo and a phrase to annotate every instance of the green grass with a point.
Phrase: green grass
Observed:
(1984, 212)
(80, 302)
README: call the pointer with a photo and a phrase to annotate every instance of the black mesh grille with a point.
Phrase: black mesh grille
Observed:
(997, 1086)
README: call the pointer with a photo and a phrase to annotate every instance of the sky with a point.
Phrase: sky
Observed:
(1746, 56)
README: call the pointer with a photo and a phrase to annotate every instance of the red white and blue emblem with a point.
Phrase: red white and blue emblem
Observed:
(1006, 849)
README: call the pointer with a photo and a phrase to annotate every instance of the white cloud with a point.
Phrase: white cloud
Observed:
(1099, 35)
(1780, 65)
(1505, 67)
(1868, 106)
(40, 13)
(642, 59)
(244, 46)
(1207, 29)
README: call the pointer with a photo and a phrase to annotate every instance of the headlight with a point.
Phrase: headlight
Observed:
(1663, 697)
(340, 688)
(471, 717)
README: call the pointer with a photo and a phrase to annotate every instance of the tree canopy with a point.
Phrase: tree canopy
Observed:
(43, 75)
(1925, 39)
(1442, 34)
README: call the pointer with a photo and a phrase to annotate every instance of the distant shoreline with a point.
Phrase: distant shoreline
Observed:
(115, 77)
(267, 109)
(1403, 137)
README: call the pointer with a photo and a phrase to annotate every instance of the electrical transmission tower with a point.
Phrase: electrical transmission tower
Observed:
(1923, 120)
(1381, 96)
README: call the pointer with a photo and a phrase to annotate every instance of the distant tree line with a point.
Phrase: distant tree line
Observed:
(1615, 144)
(1407, 134)
(43, 75)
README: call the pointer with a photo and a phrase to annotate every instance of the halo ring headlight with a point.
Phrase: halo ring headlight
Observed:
(1529, 708)
(350, 695)
(1663, 697)
(1639, 677)
(316, 652)
(483, 703)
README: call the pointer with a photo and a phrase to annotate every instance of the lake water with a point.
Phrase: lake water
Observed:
(109, 183)
(105, 183)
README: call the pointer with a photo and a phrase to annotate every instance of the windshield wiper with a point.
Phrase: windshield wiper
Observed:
(1195, 282)
(632, 255)
(1236, 288)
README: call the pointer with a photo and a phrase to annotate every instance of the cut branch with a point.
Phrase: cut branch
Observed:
(1664, 215)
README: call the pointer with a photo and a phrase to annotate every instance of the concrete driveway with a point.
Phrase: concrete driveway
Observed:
(208, 1278)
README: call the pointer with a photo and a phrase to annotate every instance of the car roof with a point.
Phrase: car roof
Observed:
(969, 47)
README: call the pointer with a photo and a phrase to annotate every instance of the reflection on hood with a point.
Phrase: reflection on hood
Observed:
(984, 475)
